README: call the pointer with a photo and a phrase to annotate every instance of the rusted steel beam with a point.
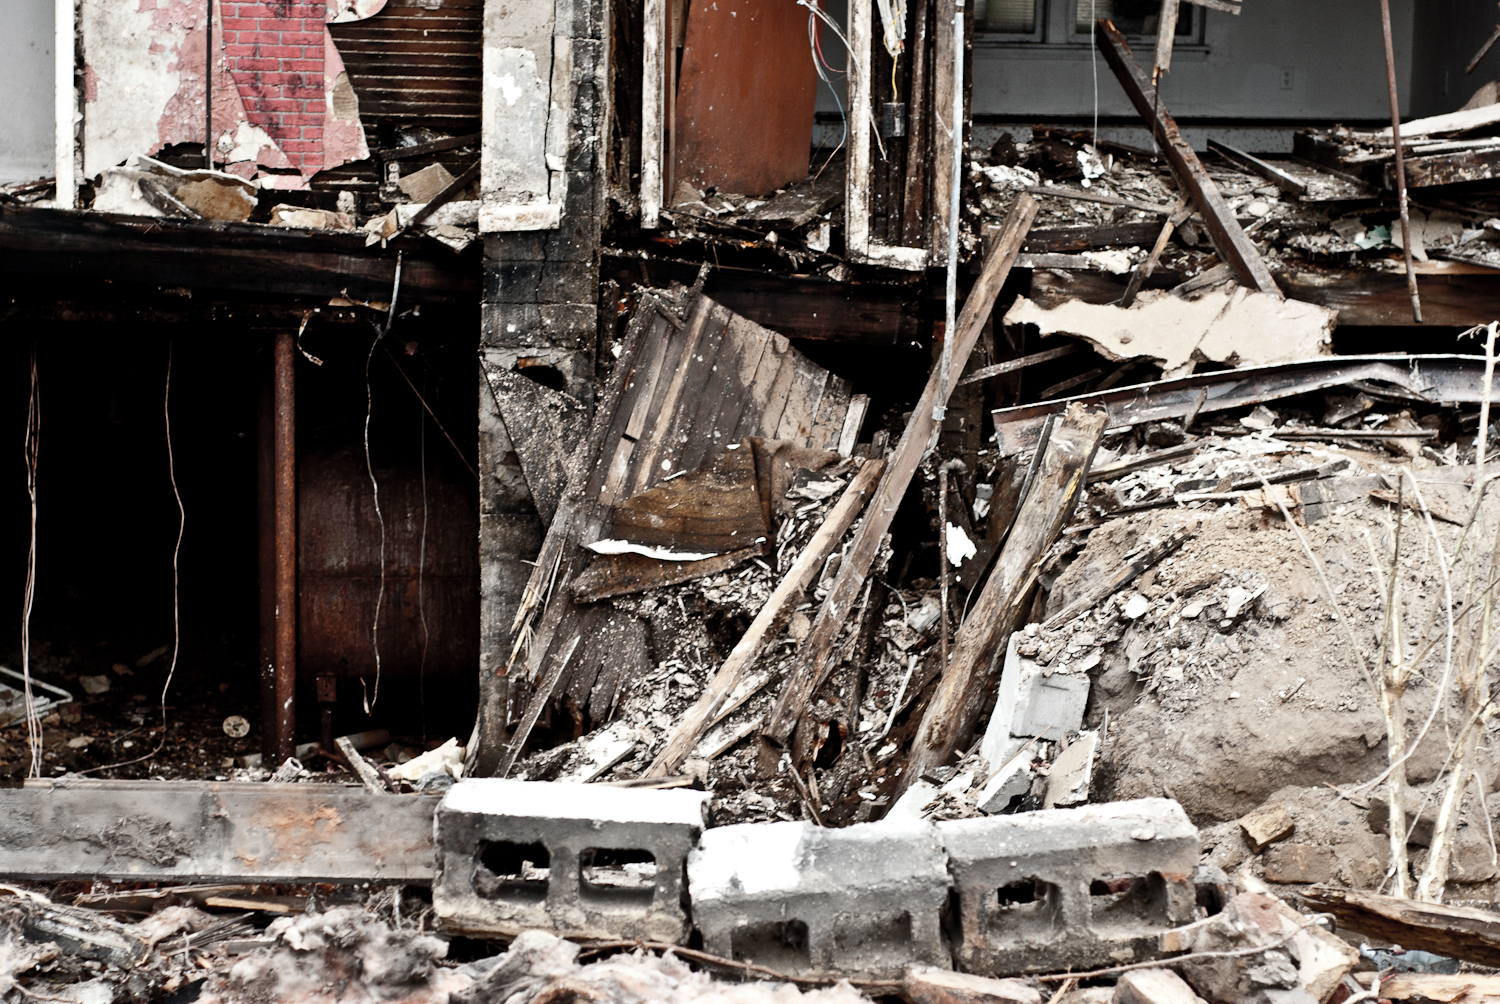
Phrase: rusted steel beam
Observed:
(285, 462)
(1229, 240)
(193, 831)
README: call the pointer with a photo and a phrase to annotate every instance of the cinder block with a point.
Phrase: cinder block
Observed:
(588, 861)
(864, 900)
(1059, 888)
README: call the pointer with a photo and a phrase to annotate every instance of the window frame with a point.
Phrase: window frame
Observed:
(1056, 32)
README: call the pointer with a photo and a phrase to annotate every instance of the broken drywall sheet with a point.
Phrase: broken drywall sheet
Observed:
(1232, 325)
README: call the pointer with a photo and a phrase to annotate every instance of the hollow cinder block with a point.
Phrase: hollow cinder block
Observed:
(1084, 887)
(587, 861)
(864, 900)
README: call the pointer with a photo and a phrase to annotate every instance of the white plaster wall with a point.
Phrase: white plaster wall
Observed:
(26, 151)
(130, 75)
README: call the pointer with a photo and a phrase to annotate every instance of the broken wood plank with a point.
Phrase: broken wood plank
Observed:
(949, 719)
(1059, 192)
(1143, 271)
(811, 666)
(1425, 170)
(1063, 239)
(1440, 988)
(1140, 461)
(1458, 932)
(1484, 50)
(799, 204)
(690, 728)
(1121, 578)
(1166, 31)
(78, 932)
(367, 774)
(204, 831)
(544, 427)
(1445, 125)
(1229, 239)
(1255, 165)
(1011, 365)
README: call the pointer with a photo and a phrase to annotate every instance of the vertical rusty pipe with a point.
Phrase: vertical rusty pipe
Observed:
(265, 485)
(286, 543)
(1390, 77)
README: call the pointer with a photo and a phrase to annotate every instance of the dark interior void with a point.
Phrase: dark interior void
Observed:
(107, 519)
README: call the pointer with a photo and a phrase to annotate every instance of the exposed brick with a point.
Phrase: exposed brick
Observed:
(279, 105)
(239, 24)
(308, 132)
(260, 37)
(232, 51)
(254, 63)
(302, 38)
(281, 24)
(281, 52)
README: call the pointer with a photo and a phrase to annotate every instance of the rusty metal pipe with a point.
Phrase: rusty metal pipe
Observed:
(1390, 77)
(265, 485)
(285, 458)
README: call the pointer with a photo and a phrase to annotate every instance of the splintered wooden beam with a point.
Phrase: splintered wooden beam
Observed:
(1255, 165)
(815, 655)
(1459, 932)
(1228, 238)
(1060, 478)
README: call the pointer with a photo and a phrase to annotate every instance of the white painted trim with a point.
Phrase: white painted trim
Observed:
(912, 259)
(533, 216)
(857, 174)
(653, 108)
(65, 104)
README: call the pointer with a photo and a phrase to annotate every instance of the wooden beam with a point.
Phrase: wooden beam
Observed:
(704, 712)
(1064, 239)
(1229, 240)
(955, 705)
(1458, 932)
(193, 831)
(812, 665)
(245, 257)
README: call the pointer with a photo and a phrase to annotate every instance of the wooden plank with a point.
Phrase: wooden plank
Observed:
(940, 153)
(811, 666)
(1063, 239)
(1255, 165)
(1444, 125)
(1229, 240)
(195, 831)
(802, 403)
(949, 719)
(1459, 932)
(859, 158)
(1445, 168)
(653, 113)
(686, 733)
(1440, 988)
(1166, 31)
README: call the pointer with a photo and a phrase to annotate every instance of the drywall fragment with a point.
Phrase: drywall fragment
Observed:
(1232, 325)
(212, 195)
(309, 219)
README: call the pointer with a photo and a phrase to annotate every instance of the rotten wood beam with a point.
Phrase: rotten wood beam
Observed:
(1122, 577)
(1234, 247)
(704, 712)
(809, 671)
(1108, 472)
(955, 705)
(1058, 192)
(363, 769)
(1458, 932)
(1011, 365)
(1166, 32)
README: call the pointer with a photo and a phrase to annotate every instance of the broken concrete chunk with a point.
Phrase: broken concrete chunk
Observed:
(421, 186)
(1248, 921)
(1267, 825)
(1072, 772)
(941, 986)
(1154, 986)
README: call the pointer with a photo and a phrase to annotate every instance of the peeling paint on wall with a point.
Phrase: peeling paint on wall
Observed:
(282, 106)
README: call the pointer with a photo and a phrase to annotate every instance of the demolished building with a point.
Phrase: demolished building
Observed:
(949, 485)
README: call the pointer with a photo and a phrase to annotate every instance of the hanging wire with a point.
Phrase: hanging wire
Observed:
(32, 452)
(368, 697)
(166, 410)
(819, 62)
(422, 565)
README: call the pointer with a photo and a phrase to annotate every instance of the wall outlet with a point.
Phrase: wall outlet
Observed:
(1288, 78)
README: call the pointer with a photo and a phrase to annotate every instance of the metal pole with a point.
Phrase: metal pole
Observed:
(285, 449)
(208, 88)
(955, 188)
(943, 565)
(1390, 77)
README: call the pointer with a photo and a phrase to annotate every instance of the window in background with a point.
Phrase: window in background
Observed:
(1132, 17)
(1011, 17)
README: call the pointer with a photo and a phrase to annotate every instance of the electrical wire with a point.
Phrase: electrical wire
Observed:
(819, 62)
(32, 453)
(166, 410)
(380, 332)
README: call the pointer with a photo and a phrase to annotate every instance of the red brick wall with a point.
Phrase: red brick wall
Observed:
(274, 49)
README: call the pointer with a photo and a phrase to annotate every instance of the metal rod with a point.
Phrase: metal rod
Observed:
(265, 483)
(286, 542)
(208, 88)
(1390, 77)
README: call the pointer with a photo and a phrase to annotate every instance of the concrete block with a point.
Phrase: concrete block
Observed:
(1072, 772)
(859, 901)
(1058, 888)
(941, 986)
(1035, 701)
(586, 861)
